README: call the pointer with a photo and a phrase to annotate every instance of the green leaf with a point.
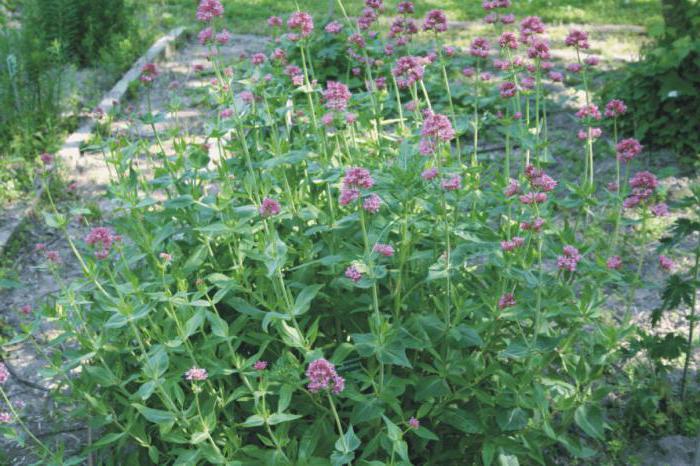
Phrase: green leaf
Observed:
(255, 420)
(508, 460)
(514, 419)
(348, 442)
(466, 421)
(109, 438)
(425, 433)
(431, 387)
(219, 327)
(278, 418)
(291, 336)
(156, 416)
(488, 452)
(590, 419)
(392, 351)
(466, 336)
(303, 300)
(515, 350)
(194, 323)
(273, 316)
(196, 259)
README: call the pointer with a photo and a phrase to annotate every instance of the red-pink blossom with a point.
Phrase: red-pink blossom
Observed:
(435, 20)
(302, 22)
(386, 250)
(269, 207)
(479, 48)
(336, 96)
(666, 263)
(196, 374)
(209, 9)
(615, 108)
(322, 376)
(372, 203)
(627, 149)
(353, 273)
(507, 300)
(452, 184)
(577, 38)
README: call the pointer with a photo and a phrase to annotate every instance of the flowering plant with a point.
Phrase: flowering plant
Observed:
(342, 281)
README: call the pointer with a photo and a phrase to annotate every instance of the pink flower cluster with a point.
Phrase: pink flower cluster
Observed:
(536, 225)
(322, 376)
(452, 184)
(149, 72)
(643, 185)
(577, 38)
(512, 244)
(334, 27)
(269, 207)
(507, 300)
(479, 48)
(665, 263)
(209, 9)
(627, 149)
(589, 111)
(408, 70)
(615, 108)
(336, 96)
(302, 23)
(260, 365)
(508, 40)
(436, 21)
(353, 273)
(103, 238)
(196, 374)
(614, 263)
(569, 260)
(530, 26)
(4, 373)
(386, 250)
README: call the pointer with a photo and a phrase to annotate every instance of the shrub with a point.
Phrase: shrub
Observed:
(662, 89)
(336, 284)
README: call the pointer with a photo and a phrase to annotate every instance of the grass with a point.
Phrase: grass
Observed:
(250, 15)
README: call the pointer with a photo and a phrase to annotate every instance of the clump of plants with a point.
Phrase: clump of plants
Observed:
(339, 276)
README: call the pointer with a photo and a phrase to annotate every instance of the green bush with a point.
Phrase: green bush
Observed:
(662, 90)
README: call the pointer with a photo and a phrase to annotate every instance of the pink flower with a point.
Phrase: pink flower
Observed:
(435, 20)
(438, 127)
(260, 365)
(322, 376)
(614, 263)
(535, 226)
(615, 108)
(258, 58)
(408, 70)
(372, 203)
(468, 72)
(516, 242)
(533, 198)
(196, 374)
(247, 97)
(224, 37)
(577, 38)
(353, 273)
(26, 309)
(665, 263)
(595, 134)
(209, 9)
(350, 118)
(336, 96)
(452, 184)
(386, 250)
(269, 207)
(414, 423)
(429, 174)
(302, 22)
(570, 259)
(507, 89)
(4, 373)
(46, 158)
(5, 417)
(508, 40)
(591, 61)
(530, 26)
(486, 76)
(660, 209)
(556, 76)
(358, 177)
(166, 257)
(226, 113)
(512, 189)
(348, 195)
(613, 187)
(327, 119)
(298, 80)
(573, 68)
(479, 48)
(334, 27)
(508, 19)
(539, 49)
(589, 111)
(274, 21)
(149, 72)
(627, 149)
(644, 180)
(55, 258)
(507, 300)
(405, 8)
(281, 56)
(103, 238)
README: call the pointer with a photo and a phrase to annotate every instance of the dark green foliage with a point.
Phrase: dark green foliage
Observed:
(663, 90)
(82, 27)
